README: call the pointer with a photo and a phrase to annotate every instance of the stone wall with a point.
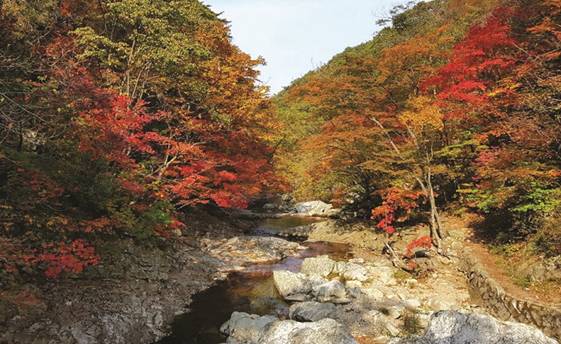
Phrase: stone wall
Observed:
(507, 307)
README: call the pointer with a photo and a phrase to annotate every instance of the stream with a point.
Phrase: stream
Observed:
(251, 290)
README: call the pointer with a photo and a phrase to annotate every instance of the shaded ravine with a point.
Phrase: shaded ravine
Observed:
(251, 290)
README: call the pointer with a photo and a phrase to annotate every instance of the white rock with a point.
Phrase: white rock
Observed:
(295, 286)
(352, 271)
(312, 311)
(332, 291)
(321, 265)
(356, 260)
(315, 208)
(395, 311)
(412, 304)
(246, 328)
(374, 293)
(382, 274)
(453, 327)
(411, 283)
(392, 329)
(439, 305)
(326, 331)
(353, 284)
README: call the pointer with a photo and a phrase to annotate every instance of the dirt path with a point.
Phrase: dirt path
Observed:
(495, 265)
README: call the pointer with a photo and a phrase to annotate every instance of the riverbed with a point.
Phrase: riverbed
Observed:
(250, 290)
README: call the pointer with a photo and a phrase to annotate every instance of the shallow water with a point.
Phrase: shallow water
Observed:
(251, 291)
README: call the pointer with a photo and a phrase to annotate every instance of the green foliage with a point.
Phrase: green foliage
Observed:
(100, 49)
(537, 199)
(25, 18)
(547, 240)
(485, 201)
(153, 42)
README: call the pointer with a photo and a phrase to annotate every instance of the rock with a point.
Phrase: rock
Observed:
(314, 208)
(357, 260)
(270, 207)
(321, 265)
(425, 264)
(312, 311)
(412, 304)
(332, 291)
(382, 274)
(374, 293)
(547, 270)
(453, 327)
(391, 329)
(354, 272)
(411, 283)
(131, 298)
(295, 286)
(326, 331)
(239, 251)
(353, 284)
(246, 328)
(353, 291)
(362, 320)
(438, 305)
(287, 203)
(395, 311)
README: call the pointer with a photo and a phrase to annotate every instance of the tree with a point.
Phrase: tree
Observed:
(117, 117)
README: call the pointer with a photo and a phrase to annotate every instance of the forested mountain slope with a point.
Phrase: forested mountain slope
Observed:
(132, 132)
(457, 102)
(115, 116)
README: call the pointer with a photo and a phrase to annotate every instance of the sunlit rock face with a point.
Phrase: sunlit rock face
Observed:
(453, 327)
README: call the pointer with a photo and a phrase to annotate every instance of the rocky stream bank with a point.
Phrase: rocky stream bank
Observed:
(353, 294)
(249, 286)
(133, 295)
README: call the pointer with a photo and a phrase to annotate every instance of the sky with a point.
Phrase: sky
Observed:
(296, 36)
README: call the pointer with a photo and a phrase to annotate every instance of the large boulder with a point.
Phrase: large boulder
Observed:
(326, 331)
(315, 208)
(245, 328)
(321, 265)
(332, 291)
(453, 327)
(352, 271)
(312, 311)
(295, 286)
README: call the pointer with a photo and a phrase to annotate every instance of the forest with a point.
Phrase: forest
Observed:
(122, 120)
(454, 107)
(118, 116)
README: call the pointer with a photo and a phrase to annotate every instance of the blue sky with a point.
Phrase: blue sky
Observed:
(295, 36)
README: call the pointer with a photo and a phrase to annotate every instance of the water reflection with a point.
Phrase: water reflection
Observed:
(251, 291)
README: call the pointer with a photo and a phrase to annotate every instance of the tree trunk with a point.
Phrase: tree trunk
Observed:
(20, 138)
(437, 231)
(435, 216)
(394, 258)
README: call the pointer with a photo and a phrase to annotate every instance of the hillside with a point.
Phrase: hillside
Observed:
(150, 189)
(454, 107)
(454, 103)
